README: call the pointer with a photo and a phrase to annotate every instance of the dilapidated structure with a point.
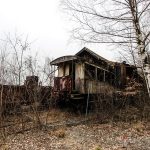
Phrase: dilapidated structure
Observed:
(14, 97)
(88, 73)
(79, 76)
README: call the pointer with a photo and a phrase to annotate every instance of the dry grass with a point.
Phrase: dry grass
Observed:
(97, 148)
(59, 133)
(139, 127)
(84, 137)
(57, 115)
(89, 136)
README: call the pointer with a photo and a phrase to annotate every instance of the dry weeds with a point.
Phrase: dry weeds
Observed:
(91, 136)
(83, 137)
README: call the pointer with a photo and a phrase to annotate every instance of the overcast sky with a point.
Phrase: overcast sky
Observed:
(45, 24)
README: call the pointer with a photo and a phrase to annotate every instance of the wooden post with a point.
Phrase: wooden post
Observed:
(95, 73)
(72, 84)
(104, 76)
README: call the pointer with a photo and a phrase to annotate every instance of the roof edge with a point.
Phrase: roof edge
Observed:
(63, 59)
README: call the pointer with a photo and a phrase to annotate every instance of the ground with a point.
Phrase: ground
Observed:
(89, 135)
(84, 137)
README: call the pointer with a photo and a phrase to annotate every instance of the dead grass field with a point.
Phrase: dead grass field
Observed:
(89, 135)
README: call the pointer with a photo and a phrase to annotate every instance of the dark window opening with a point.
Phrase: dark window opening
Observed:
(100, 75)
(107, 77)
(90, 72)
(131, 72)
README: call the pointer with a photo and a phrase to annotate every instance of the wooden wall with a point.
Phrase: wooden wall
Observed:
(79, 77)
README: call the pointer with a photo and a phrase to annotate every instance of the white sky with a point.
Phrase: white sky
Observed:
(45, 24)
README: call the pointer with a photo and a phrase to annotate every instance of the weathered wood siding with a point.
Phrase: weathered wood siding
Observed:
(79, 77)
(123, 74)
(66, 70)
(63, 70)
(60, 71)
(95, 87)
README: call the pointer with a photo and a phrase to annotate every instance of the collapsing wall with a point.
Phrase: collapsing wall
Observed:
(14, 96)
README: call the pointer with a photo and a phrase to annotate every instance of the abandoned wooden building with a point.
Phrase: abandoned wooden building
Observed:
(79, 76)
(88, 73)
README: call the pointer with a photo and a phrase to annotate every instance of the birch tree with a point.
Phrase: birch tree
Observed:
(121, 22)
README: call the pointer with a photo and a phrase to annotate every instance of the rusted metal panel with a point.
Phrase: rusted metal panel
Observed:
(56, 84)
(62, 83)
(14, 96)
(66, 84)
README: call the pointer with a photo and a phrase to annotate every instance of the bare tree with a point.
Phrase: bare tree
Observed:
(32, 66)
(17, 45)
(3, 78)
(48, 71)
(123, 22)
(17, 96)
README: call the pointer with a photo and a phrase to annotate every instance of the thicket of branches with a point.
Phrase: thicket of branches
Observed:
(110, 21)
(15, 64)
(118, 22)
(16, 61)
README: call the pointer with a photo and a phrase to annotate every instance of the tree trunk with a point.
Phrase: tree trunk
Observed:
(140, 44)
